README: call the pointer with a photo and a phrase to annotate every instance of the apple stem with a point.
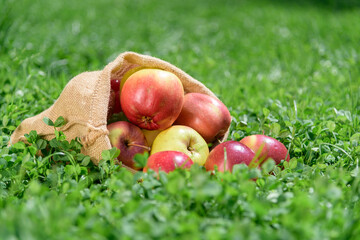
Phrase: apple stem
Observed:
(138, 145)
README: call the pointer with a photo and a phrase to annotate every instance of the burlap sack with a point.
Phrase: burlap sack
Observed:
(84, 103)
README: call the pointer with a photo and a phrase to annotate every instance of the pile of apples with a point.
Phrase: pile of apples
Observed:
(153, 114)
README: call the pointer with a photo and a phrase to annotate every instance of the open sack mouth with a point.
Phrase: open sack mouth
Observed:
(85, 103)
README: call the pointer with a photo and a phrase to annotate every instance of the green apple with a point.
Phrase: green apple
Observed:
(184, 139)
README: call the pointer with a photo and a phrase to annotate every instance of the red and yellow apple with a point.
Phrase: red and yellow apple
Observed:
(168, 161)
(128, 74)
(206, 114)
(183, 139)
(227, 154)
(129, 139)
(152, 98)
(269, 147)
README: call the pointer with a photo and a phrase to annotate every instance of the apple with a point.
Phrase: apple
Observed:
(129, 139)
(128, 74)
(115, 85)
(168, 161)
(183, 139)
(206, 114)
(111, 104)
(236, 153)
(114, 99)
(270, 148)
(150, 135)
(117, 105)
(152, 98)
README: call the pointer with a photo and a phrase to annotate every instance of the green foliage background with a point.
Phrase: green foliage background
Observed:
(289, 70)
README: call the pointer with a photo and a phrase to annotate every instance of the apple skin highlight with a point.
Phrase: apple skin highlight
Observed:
(183, 139)
(152, 99)
(205, 114)
(270, 148)
(168, 161)
(236, 153)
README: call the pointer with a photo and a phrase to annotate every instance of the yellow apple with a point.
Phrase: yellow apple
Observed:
(150, 135)
(184, 139)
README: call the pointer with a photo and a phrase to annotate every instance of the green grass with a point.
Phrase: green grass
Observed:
(284, 69)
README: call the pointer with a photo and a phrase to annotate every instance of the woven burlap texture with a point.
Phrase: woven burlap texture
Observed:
(84, 103)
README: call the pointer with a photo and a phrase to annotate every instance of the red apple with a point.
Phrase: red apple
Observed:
(128, 74)
(270, 148)
(111, 105)
(114, 99)
(129, 139)
(236, 153)
(167, 161)
(152, 98)
(115, 84)
(117, 105)
(206, 114)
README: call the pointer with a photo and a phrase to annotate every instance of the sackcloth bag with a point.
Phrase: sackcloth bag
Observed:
(84, 104)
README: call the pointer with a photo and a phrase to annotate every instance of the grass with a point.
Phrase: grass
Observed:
(284, 69)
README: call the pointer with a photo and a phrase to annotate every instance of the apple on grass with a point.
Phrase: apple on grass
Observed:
(152, 98)
(168, 161)
(129, 139)
(205, 114)
(269, 147)
(227, 154)
(183, 139)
